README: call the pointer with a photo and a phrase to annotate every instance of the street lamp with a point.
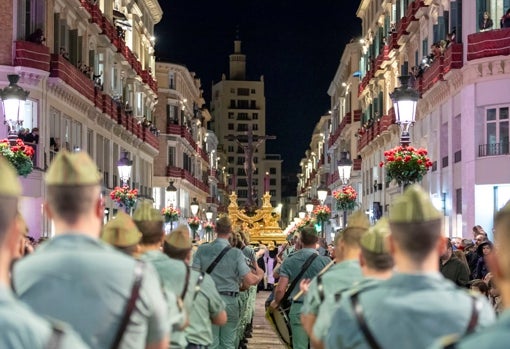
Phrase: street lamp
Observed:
(124, 165)
(209, 214)
(13, 97)
(309, 206)
(171, 188)
(404, 100)
(322, 193)
(345, 167)
(302, 212)
(194, 206)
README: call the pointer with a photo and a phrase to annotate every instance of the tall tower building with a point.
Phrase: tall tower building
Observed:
(238, 108)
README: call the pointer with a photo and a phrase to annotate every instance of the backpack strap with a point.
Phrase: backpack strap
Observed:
(217, 260)
(130, 305)
(358, 312)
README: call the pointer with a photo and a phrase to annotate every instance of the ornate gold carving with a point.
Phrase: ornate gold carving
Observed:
(263, 226)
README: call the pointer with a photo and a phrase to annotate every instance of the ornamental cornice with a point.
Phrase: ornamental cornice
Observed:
(67, 96)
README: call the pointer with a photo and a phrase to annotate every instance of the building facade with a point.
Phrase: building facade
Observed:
(87, 66)
(238, 107)
(188, 151)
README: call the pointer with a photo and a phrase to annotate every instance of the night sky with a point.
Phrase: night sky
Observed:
(296, 47)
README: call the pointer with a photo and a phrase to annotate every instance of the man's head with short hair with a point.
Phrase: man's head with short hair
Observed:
(374, 246)
(177, 244)
(150, 223)
(73, 187)
(309, 235)
(223, 227)
(416, 225)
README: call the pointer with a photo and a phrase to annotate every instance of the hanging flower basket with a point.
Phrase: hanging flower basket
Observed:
(19, 155)
(124, 197)
(193, 223)
(303, 223)
(208, 227)
(170, 213)
(322, 213)
(346, 198)
(406, 165)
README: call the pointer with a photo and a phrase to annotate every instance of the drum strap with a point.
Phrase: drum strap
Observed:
(298, 277)
(475, 311)
(320, 287)
(358, 312)
(217, 260)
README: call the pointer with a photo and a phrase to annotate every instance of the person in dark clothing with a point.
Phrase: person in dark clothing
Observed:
(32, 137)
(505, 20)
(481, 267)
(453, 268)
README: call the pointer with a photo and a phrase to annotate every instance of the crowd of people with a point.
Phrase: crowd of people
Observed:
(124, 284)
(399, 283)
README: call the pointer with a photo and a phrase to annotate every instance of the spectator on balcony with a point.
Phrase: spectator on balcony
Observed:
(486, 22)
(505, 20)
(32, 137)
(54, 144)
(63, 52)
(37, 37)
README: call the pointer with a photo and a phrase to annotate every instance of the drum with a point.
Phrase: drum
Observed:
(279, 320)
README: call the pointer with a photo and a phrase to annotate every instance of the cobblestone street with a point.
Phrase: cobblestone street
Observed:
(263, 335)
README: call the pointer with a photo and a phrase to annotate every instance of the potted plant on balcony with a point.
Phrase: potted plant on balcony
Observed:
(345, 198)
(19, 155)
(405, 165)
(194, 223)
(124, 197)
(170, 213)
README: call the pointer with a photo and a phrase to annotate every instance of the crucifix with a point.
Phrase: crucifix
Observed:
(249, 142)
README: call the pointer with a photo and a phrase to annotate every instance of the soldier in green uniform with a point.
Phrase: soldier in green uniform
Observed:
(21, 328)
(376, 265)
(122, 233)
(202, 302)
(228, 273)
(340, 276)
(417, 304)
(77, 278)
(173, 273)
(496, 336)
(289, 271)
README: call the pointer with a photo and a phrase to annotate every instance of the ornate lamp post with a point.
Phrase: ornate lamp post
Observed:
(209, 215)
(13, 97)
(344, 172)
(309, 206)
(173, 190)
(194, 206)
(124, 165)
(404, 100)
(302, 212)
(322, 194)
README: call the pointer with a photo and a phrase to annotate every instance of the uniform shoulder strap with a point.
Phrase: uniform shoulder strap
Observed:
(301, 273)
(55, 340)
(186, 282)
(475, 314)
(217, 260)
(130, 305)
(358, 312)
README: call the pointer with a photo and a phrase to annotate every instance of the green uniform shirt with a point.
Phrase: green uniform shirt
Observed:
(203, 306)
(86, 283)
(330, 304)
(23, 329)
(293, 264)
(408, 310)
(339, 277)
(229, 272)
(172, 273)
(496, 336)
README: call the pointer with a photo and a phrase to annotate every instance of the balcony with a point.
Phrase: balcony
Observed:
(178, 172)
(32, 55)
(356, 164)
(488, 44)
(63, 69)
(451, 59)
(492, 149)
(376, 129)
(183, 132)
(383, 56)
(150, 138)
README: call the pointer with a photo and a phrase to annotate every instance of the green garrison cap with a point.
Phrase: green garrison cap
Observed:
(358, 219)
(9, 181)
(179, 238)
(72, 169)
(374, 240)
(146, 213)
(414, 206)
(121, 231)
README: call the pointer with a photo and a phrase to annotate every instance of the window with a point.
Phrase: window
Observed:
(253, 104)
(232, 103)
(243, 91)
(31, 17)
(230, 126)
(272, 181)
(242, 104)
(255, 127)
(255, 116)
(171, 156)
(496, 10)
(231, 115)
(242, 127)
(230, 159)
(497, 130)
(242, 193)
(242, 116)
(171, 80)
(240, 160)
(230, 149)
(272, 170)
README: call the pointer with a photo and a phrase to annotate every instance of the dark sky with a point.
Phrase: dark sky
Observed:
(297, 47)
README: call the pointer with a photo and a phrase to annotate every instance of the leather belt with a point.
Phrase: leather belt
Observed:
(229, 293)
(196, 346)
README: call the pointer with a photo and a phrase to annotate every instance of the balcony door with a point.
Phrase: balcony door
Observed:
(497, 131)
